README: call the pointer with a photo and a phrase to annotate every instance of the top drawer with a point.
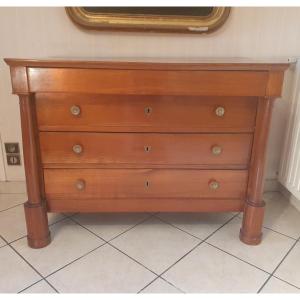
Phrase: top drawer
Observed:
(110, 113)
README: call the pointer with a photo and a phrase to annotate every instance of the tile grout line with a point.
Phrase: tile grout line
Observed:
(295, 239)
(234, 216)
(288, 252)
(30, 286)
(29, 264)
(5, 242)
(158, 277)
(108, 242)
(201, 242)
(240, 259)
(179, 289)
(14, 206)
(266, 227)
(286, 282)
(24, 236)
(166, 222)
(141, 222)
(45, 277)
(78, 258)
(147, 285)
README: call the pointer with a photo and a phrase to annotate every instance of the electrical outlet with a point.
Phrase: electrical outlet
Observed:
(12, 148)
(13, 159)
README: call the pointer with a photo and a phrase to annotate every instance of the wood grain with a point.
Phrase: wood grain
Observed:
(147, 148)
(145, 205)
(110, 113)
(148, 82)
(143, 183)
(147, 129)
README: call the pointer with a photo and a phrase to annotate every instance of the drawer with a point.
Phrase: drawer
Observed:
(229, 150)
(112, 184)
(133, 113)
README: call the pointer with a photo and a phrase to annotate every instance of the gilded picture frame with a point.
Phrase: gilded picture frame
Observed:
(159, 22)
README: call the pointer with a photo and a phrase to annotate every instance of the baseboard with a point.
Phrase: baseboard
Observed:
(271, 185)
(12, 187)
(286, 193)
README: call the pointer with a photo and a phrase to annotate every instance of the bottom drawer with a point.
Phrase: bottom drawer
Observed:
(79, 184)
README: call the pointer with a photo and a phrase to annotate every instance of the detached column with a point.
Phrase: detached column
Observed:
(35, 208)
(251, 231)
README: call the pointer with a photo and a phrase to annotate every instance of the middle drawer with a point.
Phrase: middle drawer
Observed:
(140, 149)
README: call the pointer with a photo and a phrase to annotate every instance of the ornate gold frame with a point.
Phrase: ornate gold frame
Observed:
(167, 23)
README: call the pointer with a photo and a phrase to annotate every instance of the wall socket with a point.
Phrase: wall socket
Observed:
(13, 157)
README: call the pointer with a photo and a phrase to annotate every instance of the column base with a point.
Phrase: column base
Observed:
(36, 244)
(251, 231)
(250, 240)
(38, 234)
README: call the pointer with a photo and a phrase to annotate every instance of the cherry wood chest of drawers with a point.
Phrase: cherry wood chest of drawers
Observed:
(120, 136)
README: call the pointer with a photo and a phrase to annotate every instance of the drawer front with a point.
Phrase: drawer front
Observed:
(232, 150)
(112, 184)
(80, 112)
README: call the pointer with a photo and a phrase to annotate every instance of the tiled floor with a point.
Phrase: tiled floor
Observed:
(161, 253)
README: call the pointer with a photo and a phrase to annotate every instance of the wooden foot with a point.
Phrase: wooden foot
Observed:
(251, 231)
(37, 225)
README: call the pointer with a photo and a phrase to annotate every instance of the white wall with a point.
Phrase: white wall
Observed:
(48, 32)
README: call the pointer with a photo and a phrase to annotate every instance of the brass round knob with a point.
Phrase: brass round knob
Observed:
(147, 148)
(80, 184)
(220, 111)
(216, 150)
(77, 149)
(75, 110)
(214, 185)
(148, 110)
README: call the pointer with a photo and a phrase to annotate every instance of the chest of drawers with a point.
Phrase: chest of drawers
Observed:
(117, 136)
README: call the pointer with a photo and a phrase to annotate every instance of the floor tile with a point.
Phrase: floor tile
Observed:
(2, 242)
(42, 287)
(200, 225)
(281, 216)
(160, 286)
(209, 270)
(12, 187)
(155, 244)
(12, 222)
(289, 270)
(15, 273)
(277, 286)
(69, 242)
(11, 200)
(109, 225)
(266, 256)
(105, 270)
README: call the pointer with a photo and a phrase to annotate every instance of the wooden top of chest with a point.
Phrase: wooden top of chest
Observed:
(149, 76)
(156, 63)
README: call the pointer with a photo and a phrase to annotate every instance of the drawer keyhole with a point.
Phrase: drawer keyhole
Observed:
(148, 111)
(147, 184)
(147, 148)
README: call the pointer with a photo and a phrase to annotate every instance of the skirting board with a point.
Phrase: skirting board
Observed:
(293, 200)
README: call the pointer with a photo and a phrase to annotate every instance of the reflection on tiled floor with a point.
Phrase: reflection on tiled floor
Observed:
(146, 253)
